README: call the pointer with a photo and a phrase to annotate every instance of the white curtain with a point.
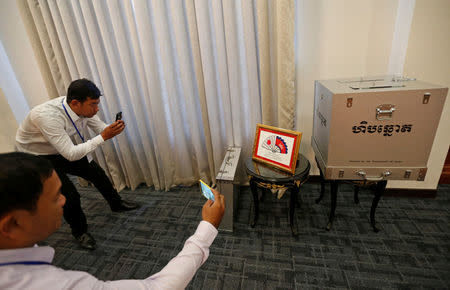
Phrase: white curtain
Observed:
(191, 77)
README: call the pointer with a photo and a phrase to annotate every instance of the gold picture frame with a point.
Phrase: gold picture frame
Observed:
(276, 147)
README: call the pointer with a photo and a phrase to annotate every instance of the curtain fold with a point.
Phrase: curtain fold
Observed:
(276, 32)
(191, 77)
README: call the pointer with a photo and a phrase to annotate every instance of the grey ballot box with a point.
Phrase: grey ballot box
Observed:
(375, 128)
(228, 186)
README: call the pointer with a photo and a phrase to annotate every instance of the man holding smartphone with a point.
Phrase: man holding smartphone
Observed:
(56, 130)
(30, 212)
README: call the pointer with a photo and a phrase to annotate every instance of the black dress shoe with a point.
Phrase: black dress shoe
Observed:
(124, 206)
(86, 241)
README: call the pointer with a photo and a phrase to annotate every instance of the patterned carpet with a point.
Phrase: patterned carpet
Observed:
(412, 251)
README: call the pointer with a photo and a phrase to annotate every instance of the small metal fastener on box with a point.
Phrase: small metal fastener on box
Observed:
(422, 173)
(361, 173)
(426, 98)
(349, 102)
(407, 174)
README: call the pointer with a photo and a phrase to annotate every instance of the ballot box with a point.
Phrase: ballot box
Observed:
(375, 128)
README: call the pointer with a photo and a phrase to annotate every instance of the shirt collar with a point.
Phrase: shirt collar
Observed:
(35, 254)
(72, 114)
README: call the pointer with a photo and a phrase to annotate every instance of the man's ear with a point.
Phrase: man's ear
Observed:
(75, 103)
(9, 225)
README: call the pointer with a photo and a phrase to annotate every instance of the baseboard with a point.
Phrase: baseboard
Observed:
(408, 192)
(445, 176)
(314, 178)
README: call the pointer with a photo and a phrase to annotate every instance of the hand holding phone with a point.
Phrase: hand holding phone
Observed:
(206, 190)
(214, 207)
(118, 116)
(113, 130)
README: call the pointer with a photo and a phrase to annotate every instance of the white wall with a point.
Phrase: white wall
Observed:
(336, 40)
(8, 126)
(21, 84)
(428, 59)
(11, 90)
(20, 54)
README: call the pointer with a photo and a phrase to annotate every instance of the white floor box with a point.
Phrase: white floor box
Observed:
(227, 185)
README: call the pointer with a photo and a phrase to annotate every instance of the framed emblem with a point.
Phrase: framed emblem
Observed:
(276, 147)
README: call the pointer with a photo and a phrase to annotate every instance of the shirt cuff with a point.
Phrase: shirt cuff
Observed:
(98, 140)
(206, 232)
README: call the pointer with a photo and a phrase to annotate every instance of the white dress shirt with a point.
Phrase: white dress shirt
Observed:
(48, 130)
(175, 275)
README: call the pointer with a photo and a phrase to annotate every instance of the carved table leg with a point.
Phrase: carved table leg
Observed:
(356, 191)
(334, 190)
(292, 205)
(322, 184)
(381, 185)
(263, 194)
(255, 209)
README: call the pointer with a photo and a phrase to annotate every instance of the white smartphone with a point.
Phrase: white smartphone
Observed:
(206, 190)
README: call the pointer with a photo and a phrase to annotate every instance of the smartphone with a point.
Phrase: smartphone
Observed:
(206, 190)
(119, 116)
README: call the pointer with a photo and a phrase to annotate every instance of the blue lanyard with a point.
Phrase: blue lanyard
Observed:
(25, 263)
(72, 121)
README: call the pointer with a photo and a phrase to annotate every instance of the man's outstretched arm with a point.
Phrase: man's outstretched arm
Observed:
(179, 271)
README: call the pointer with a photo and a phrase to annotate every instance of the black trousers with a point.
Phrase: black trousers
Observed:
(92, 172)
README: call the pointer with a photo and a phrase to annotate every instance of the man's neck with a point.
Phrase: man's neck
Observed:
(9, 245)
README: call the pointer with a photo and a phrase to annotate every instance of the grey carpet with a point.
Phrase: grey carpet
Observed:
(410, 252)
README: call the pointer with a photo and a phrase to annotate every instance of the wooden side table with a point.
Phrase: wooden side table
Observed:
(264, 176)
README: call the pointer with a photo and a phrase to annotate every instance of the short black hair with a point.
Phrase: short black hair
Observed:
(81, 89)
(22, 177)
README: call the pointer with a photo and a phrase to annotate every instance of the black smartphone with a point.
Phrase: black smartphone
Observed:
(119, 116)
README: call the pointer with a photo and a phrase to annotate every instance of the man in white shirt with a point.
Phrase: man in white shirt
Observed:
(57, 131)
(31, 211)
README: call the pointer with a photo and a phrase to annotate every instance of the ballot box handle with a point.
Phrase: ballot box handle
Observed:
(385, 111)
(373, 178)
